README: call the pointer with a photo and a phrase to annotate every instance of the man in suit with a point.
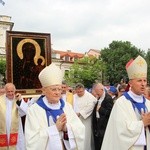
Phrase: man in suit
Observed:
(101, 114)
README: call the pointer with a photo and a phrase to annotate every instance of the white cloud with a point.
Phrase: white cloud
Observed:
(80, 25)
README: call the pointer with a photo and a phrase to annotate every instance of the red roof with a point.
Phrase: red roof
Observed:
(68, 53)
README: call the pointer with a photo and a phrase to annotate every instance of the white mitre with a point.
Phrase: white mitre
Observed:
(50, 75)
(137, 68)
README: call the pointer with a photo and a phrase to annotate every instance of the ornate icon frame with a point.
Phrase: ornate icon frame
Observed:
(20, 48)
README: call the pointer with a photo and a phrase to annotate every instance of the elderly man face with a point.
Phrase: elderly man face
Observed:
(53, 93)
(99, 89)
(99, 92)
(10, 91)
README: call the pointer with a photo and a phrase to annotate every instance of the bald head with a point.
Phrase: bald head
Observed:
(9, 85)
(98, 89)
(10, 90)
(98, 86)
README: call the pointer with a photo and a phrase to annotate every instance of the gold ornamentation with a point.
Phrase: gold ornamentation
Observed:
(140, 63)
(2, 140)
(40, 57)
(37, 49)
(13, 139)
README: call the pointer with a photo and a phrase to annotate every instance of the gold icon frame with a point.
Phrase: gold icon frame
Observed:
(19, 57)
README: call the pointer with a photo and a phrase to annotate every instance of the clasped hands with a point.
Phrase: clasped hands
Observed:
(146, 118)
(61, 123)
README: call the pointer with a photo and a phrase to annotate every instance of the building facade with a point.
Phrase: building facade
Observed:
(5, 25)
(65, 59)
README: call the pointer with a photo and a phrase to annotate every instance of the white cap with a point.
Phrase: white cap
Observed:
(137, 68)
(50, 75)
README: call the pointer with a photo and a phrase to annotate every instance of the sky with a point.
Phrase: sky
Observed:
(81, 25)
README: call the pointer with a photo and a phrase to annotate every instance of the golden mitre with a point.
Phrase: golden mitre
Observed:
(137, 68)
(50, 75)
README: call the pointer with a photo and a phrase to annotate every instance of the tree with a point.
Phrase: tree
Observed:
(2, 71)
(148, 65)
(85, 71)
(2, 67)
(115, 57)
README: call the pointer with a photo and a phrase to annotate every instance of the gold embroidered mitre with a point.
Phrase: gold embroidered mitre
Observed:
(50, 75)
(137, 68)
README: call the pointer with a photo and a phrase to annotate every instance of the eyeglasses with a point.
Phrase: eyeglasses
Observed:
(54, 89)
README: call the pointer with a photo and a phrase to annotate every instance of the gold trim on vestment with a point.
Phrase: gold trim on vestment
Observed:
(69, 98)
(14, 121)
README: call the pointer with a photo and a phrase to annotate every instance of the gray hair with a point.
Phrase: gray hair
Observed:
(79, 85)
(98, 85)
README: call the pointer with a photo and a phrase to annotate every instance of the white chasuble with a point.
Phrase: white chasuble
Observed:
(124, 129)
(39, 135)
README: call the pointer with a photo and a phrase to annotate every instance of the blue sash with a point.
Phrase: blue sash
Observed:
(139, 106)
(50, 112)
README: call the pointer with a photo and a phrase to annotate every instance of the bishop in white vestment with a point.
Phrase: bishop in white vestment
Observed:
(128, 125)
(51, 123)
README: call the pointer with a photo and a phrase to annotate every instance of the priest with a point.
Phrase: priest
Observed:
(12, 108)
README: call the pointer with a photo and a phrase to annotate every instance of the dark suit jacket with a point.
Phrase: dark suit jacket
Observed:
(99, 124)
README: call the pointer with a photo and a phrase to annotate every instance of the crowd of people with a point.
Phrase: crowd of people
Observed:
(62, 118)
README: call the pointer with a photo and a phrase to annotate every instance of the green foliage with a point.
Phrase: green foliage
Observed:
(2, 67)
(85, 71)
(148, 65)
(115, 57)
